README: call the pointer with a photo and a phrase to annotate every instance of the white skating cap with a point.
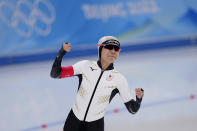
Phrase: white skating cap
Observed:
(103, 39)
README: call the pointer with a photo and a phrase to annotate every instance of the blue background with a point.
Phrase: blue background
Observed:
(33, 30)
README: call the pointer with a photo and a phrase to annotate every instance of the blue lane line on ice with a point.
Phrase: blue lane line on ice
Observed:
(47, 125)
(151, 104)
(123, 109)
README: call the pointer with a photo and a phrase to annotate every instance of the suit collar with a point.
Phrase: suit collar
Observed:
(110, 67)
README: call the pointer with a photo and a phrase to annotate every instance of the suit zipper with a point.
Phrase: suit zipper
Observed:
(93, 95)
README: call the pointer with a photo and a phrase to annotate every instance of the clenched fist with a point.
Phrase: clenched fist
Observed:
(139, 92)
(67, 47)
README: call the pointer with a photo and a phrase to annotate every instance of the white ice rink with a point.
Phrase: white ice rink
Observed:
(32, 101)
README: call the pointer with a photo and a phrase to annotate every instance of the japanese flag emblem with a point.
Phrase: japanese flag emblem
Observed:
(109, 77)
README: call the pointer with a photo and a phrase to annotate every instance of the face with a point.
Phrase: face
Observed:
(109, 56)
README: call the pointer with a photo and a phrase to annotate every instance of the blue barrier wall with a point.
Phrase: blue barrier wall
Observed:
(187, 42)
(32, 30)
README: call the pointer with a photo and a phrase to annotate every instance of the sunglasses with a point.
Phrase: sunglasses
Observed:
(111, 47)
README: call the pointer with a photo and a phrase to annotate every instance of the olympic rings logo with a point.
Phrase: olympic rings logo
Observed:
(26, 17)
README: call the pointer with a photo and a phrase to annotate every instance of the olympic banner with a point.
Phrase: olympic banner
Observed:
(34, 26)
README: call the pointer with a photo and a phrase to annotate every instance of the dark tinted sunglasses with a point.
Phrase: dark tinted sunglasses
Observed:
(111, 47)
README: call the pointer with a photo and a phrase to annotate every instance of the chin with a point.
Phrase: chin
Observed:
(112, 60)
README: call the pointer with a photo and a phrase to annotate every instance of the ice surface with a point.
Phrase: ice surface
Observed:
(32, 101)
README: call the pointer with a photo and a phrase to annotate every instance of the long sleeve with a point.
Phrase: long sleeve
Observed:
(56, 68)
(133, 106)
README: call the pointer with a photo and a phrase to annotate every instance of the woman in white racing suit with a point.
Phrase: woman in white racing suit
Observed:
(99, 82)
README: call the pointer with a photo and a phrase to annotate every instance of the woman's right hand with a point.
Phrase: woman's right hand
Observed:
(67, 47)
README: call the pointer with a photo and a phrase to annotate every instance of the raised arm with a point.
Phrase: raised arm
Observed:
(131, 104)
(60, 72)
(134, 105)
